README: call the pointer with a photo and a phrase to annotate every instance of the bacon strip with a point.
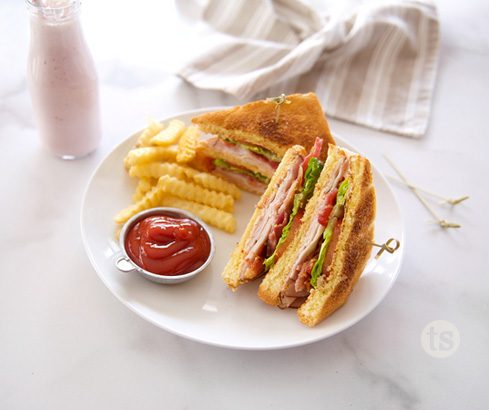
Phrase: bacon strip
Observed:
(315, 152)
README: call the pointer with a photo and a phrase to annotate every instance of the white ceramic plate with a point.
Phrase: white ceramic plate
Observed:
(203, 309)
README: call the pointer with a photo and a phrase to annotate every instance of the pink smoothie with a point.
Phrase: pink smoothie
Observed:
(63, 81)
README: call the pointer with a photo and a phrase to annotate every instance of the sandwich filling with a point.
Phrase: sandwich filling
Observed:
(317, 250)
(242, 180)
(257, 157)
(256, 149)
(220, 163)
(313, 170)
(281, 214)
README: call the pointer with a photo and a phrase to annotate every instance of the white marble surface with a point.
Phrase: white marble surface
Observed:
(66, 342)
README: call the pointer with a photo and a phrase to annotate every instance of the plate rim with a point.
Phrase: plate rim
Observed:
(132, 308)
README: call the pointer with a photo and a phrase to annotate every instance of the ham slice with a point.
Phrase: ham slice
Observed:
(218, 146)
(284, 212)
(246, 182)
(281, 200)
(298, 290)
(276, 232)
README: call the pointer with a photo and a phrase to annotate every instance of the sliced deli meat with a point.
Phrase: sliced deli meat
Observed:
(295, 284)
(218, 148)
(245, 182)
(276, 211)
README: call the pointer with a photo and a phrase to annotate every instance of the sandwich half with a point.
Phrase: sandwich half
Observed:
(319, 269)
(245, 144)
(276, 215)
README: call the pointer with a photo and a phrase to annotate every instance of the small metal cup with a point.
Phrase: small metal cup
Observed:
(124, 263)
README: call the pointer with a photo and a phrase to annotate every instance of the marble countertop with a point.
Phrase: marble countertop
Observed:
(66, 342)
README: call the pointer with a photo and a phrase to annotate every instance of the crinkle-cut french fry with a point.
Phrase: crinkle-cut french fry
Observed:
(215, 217)
(151, 199)
(149, 132)
(158, 169)
(170, 135)
(187, 145)
(143, 155)
(144, 185)
(187, 190)
(210, 181)
(147, 183)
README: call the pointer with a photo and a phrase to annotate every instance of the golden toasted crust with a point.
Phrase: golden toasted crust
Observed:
(273, 283)
(231, 274)
(276, 129)
(353, 248)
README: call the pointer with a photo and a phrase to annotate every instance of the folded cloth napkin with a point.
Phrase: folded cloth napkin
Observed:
(374, 65)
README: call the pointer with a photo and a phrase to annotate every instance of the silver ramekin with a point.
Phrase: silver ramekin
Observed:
(124, 263)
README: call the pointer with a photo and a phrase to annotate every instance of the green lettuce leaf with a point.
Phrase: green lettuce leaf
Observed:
(314, 168)
(328, 232)
(342, 190)
(226, 165)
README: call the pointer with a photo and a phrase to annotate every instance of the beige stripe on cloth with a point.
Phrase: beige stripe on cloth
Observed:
(374, 66)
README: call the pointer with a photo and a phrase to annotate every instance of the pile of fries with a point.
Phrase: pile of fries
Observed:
(161, 161)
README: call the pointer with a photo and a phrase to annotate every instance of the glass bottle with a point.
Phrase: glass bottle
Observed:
(62, 79)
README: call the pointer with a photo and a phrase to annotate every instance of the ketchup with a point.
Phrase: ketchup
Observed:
(166, 245)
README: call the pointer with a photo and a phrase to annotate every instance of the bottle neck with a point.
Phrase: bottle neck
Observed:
(54, 11)
(56, 29)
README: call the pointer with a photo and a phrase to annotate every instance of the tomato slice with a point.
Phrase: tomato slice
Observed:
(330, 200)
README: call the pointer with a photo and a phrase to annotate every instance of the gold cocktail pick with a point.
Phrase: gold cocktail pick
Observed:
(451, 201)
(278, 101)
(386, 246)
(441, 222)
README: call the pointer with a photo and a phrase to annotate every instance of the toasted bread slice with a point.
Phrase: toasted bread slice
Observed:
(352, 251)
(297, 121)
(232, 275)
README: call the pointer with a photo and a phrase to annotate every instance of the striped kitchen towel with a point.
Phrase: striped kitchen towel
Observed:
(374, 65)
